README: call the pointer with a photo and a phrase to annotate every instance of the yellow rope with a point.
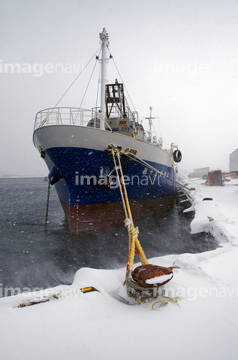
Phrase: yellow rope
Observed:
(124, 188)
(131, 253)
(142, 256)
(165, 300)
(135, 290)
(119, 184)
(133, 231)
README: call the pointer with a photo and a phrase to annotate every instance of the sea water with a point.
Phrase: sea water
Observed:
(31, 257)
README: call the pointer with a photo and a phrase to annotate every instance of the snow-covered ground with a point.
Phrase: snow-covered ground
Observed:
(203, 324)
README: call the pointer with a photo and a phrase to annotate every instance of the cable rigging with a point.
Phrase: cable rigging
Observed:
(111, 57)
(72, 84)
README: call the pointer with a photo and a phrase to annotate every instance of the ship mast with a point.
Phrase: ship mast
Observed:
(150, 123)
(105, 42)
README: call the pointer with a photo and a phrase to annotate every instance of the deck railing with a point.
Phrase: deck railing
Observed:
(84, 117)
(65, 116)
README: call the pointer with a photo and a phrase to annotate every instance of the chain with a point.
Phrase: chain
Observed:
(47, 206)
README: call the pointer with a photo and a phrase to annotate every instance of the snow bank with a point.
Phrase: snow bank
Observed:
(99, 325)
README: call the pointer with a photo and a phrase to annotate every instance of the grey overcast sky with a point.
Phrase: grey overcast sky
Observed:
(178, 56)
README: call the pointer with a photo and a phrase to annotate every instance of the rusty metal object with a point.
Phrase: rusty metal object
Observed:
(143, 273)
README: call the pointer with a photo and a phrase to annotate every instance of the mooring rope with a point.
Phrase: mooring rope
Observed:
(164, 300)
(132, 230)
(137, 287)
(143, 162)
(119, 185)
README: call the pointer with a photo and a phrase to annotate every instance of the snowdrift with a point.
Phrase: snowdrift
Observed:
(103, 324)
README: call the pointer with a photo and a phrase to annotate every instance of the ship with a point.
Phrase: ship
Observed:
(75, 144)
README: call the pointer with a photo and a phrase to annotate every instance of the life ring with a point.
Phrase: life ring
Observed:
(177, 156)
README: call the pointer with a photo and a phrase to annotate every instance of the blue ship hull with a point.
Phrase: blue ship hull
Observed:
(81, 171)
(89, 203)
